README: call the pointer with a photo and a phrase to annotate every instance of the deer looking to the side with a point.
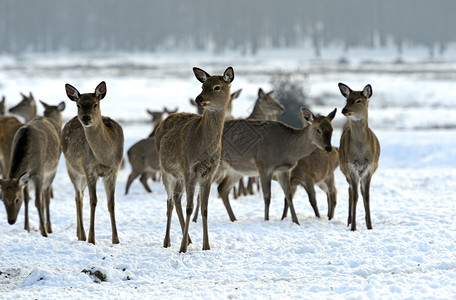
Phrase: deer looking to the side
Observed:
(189, 148)
(359, 150)
(35, 154)
(26, 108)
(268, 149)
(93, 147)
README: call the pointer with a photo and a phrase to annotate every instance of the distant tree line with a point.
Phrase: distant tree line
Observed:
(240, 25)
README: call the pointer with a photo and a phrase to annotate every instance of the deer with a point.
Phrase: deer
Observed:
(189, 148)
(229, 114)
(359, 150)
(93, 148)
(316, 169)
(35, 155)
(269, 149)
(9, 126)
(265, 108)
(157, 116)
(26, 108)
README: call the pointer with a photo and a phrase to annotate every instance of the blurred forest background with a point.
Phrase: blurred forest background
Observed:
(236, 25)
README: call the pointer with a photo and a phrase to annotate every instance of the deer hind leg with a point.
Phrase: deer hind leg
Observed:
(365, 191)
(110, 187)
(190, 191)
(284, 180)
(195, 213)
(331, 194)
(143, 180)
(293, 188)
(310, 189)
(265, 180)
(169, 182)
(39, 204)
(26, 215)
(47, 199)
(224, 190)
(133, 175)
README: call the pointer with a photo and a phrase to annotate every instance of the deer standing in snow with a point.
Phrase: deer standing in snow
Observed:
(189, 148)
(93, 147)
(35, 154)
(359, 150)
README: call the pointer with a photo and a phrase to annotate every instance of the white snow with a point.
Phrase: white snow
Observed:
(410, 253)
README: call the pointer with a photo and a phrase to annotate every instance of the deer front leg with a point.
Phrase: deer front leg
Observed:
(110, 187)
(204, 195)
(92, 185)
(169, 184)
(284, 180)
(353, 201)
(190, 190)
(310, 189)
(177, 196)
(365, 187)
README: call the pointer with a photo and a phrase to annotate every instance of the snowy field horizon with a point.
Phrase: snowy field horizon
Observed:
(409, 254)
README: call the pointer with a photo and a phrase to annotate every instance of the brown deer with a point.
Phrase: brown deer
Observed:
(316, 169)
(35, 155)
(359, 150)
(157, 116)
(26, 108)
(268, 149)
(189, 148)
(93, 147)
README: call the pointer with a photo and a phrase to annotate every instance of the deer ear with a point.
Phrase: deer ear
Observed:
(344, 89)
(228, 75)
(61, 106)
(236, 94)
(367, 91)
(72, 92)
(307, 115)
(24, 179)
(332, 114)
(260, 93)
(200, 74)
(100, 90)
(44, 104)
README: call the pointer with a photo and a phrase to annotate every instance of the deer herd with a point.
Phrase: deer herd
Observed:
(186, 150)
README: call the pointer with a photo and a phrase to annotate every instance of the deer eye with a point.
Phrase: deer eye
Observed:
(95, 105)
(318, 131)
(78, 106)
(16, 201)
(359, 101)
(217, 88)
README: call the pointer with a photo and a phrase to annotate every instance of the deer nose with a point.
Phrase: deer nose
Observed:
(328, 149)
(199, 99)
(85, 119)
(344, 111)
(11, 221)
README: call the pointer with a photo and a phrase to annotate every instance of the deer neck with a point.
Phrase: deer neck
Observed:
(211, 126)
(100, 142)
(300, 144)
(359, 128)
(257, 113)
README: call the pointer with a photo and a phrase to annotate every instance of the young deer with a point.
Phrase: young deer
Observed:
(35, 157)
(93, 148)
(268, 149)
(189, 148)
(359, 150)
(26, 108)
(316, 169)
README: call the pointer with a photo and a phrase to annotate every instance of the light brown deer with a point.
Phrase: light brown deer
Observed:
(189, 148)
(26, 108)
(268, 149)
(316, 169)
(359, 150)
(35, 157)
(93, 148)
(157, 116)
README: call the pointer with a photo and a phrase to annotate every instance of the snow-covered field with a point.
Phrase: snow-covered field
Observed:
(410, 253)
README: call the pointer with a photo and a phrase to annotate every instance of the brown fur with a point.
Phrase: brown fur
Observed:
(93, 148)
(359, 150)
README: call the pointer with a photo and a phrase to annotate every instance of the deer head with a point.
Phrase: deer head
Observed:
(320, 128)
(13, 195)
(357, 102)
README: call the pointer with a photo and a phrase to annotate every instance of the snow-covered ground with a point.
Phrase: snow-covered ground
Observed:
(410, 253)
